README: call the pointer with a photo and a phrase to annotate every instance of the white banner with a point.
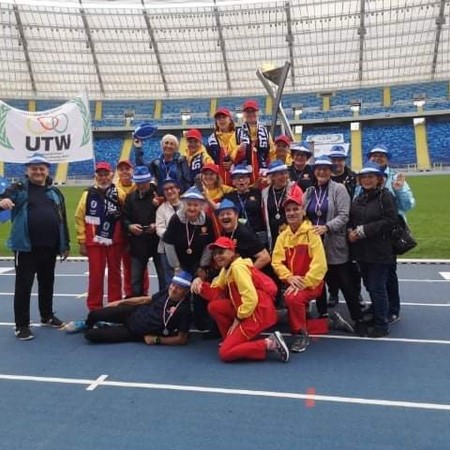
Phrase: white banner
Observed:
(61, 134)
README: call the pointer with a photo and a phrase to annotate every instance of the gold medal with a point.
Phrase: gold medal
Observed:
(189, 251)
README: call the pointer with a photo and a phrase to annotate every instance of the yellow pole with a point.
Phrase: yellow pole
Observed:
(326, 103)
(356, 138)
(212, 107)
(158, 109)
(387, 101)
(98, 110)
(422, 153)
(32, 106)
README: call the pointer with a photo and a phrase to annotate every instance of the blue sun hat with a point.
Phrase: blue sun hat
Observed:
(141, 175)
(241, 169)
(372, 168)
(145, 131)
(226, 204)
(276, 166)
(323, 161)
(37, 159)
(337, 151)
(301, 147)
(380, 148)
(182, 279)
(193, 194)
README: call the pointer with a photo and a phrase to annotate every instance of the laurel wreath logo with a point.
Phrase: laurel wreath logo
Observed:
(4, 141)
(86, 116)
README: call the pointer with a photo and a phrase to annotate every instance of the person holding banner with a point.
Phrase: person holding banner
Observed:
(39, 233)
(100, 236)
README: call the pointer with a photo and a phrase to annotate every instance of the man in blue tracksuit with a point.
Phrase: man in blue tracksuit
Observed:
(39, 233)
(397, 185)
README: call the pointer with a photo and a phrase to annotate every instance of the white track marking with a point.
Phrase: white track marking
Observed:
(6, 270)
(34, 294)
(445, 275)
(227, 391)
(97, 382)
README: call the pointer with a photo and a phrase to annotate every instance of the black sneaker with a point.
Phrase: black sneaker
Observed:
(378, 333)
(280, 348)
(393, 318)
(24, 333)
(300, 342)
(361, 328)
(53, 322)
(338, 323)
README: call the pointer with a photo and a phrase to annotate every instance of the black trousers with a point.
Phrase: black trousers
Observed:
(340, 276)
(356, 276)
(112, 334)
(40, 262)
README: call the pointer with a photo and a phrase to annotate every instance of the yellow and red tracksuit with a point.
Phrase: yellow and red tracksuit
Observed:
(101, 255)
(228, 147)
(301, 253)
(126, 258)
(241, 292)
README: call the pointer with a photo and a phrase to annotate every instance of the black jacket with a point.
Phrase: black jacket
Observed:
(140, 209)
(377, 212)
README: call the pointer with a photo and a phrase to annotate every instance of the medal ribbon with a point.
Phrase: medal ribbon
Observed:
(171, 314)
(189, 239)
(279, 201)
(319, 201)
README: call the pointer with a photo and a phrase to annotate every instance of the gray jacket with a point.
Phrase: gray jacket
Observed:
(335, 241)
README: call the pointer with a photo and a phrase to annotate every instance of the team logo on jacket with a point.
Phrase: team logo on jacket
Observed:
(204, 230)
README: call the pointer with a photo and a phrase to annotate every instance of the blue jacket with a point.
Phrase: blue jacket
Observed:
(19, 239)
(404, 196)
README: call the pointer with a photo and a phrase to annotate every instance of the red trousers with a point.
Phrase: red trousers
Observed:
(126, 267)
(238, 344)
(100, 256)
(296, 305)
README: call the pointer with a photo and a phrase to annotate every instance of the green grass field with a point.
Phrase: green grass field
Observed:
(429, 221)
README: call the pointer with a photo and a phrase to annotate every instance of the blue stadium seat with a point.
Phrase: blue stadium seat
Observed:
(18, 104)
(438, 133)
(435, 89)
(17, 171)
(370, 96)
(399, 138)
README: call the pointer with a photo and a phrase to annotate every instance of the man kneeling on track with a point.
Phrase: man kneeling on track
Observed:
(299, 261)
(241, 300)
(164, 318)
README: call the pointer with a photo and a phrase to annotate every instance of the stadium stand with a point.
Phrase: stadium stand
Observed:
(438, 133)
(399, 138)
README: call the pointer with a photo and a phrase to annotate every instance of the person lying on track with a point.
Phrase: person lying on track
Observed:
(162, 319)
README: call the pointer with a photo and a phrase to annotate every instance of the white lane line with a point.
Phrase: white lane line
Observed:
(325, 336)
(73, 275)
(33, 294)
(6, 269)
(419, 280)
(445, 275)
(236, 392)
(97, 382)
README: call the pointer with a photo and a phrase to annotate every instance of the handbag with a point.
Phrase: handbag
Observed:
(402, 239)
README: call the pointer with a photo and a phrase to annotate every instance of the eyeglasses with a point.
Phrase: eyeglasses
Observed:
(170, 188)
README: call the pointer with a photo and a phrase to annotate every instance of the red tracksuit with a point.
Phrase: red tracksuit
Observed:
(241, 292)
(100, 256)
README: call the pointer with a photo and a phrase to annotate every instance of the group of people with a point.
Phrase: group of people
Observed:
(244, 232)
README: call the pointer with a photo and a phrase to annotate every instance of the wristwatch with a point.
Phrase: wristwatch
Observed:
(157, 340)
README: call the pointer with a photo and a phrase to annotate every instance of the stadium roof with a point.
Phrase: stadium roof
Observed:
(158, 49)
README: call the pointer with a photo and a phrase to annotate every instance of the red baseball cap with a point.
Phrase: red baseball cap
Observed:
(125, 162)
(297, 200)
(194, 134)
(223, 242)
(223, 111)
(251, 104)
(213, 167)
(103, 165)
(284, 139)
